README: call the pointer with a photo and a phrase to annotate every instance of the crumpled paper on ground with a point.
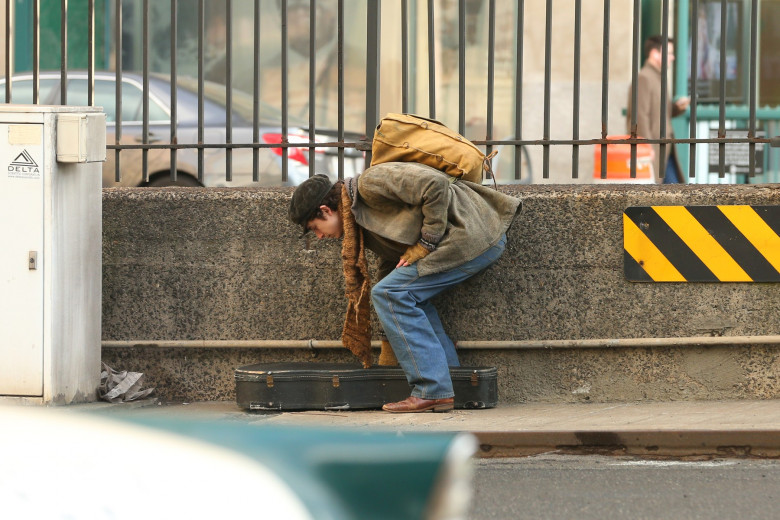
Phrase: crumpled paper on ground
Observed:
(121, 387)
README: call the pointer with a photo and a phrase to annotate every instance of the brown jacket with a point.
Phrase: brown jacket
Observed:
(400, 203)
(648, 115)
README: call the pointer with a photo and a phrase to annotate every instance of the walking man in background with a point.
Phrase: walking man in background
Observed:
(648, 109)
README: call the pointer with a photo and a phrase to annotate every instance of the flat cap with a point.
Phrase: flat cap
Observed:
(307, 198)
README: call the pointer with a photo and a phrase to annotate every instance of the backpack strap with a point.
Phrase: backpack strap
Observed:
(487, 166)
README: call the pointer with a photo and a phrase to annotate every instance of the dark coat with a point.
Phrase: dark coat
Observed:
(404, 202)
(648, 114)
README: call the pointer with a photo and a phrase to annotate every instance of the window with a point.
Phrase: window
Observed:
(105, 95)
(22, 91)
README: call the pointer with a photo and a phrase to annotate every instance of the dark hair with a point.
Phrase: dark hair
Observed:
(655, 42)
(332, 200)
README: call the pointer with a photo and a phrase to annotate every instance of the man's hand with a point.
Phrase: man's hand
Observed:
(412, 254)
(682, 103)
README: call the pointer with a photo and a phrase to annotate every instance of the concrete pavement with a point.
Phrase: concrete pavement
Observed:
(653, 429)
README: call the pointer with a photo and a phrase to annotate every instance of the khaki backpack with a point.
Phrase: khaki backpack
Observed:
(410, 138)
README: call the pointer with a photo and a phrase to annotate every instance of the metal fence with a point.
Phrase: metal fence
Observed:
(340, 142)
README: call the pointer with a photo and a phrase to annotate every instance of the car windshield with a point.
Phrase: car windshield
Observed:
(242, 103)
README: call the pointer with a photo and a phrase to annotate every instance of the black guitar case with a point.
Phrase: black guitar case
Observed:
(342, 386)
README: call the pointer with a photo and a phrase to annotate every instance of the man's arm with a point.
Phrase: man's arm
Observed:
(643, 107)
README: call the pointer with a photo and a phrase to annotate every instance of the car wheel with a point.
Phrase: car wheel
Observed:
(164, 179)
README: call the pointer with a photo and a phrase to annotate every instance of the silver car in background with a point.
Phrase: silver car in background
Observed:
(215, 124)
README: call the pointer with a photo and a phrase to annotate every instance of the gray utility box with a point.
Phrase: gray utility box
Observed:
(50, 259)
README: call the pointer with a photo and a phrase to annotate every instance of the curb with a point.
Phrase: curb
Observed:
(643, 443)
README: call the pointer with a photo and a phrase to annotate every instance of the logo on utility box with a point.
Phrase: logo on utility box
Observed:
(24, 167)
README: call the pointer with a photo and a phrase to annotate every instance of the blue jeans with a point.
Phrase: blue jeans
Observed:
(672, 175)
(402, 301)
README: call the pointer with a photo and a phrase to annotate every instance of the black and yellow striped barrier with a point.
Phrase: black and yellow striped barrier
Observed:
(702, 244)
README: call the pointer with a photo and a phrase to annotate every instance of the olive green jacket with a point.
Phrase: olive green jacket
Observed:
(400, 204)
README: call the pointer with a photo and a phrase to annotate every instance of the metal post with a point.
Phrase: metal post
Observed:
(753, 52)
(118, 82)
(285, 94)
(664, 77)
(312, 81)
(491, 72)
(519, 88)
(91, 53)
(229, 89)
(405, 56)
(431, 62)
(636, 63)
(462, 67)
(10, 39)
(575, 149)
(256, 94)
(63, 52)
(547, 81)
(36, 51)
(145, 151)
(373, 28)
(605, 89)
(201, 118)
(340, 49)
(694, 85)
(174, 87)
(722, 93)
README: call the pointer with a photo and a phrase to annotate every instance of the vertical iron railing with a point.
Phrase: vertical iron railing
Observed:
(575, 149)
(256, 95)
(519, 88)
(605, 89)
(118, 91)
(201, 79)
(373, 36)
(229, 89)
(9, 49)
(174, 89)
(491, 72)
(664, 84)
(431, 61)
(722, 90)
(145, 101)
(285, 92)
(694, 86)
(312, 80)
(752, 93)
(635, 61)
(462, 67)
(411, 13)
(547, 85)
(36, 64)
(63, 52)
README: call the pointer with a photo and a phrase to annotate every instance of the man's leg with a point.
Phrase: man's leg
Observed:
(400, 299)
(444, 340)
(672, 175)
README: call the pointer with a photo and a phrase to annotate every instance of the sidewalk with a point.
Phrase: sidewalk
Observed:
(666, 429)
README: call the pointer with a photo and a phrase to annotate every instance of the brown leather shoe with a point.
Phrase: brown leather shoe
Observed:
(415, 404)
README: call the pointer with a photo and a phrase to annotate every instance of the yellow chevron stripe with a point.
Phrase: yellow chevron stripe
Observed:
(702, 244)
(646, 254)
(750, 224)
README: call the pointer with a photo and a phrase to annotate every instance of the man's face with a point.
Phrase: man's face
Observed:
(657, 58)
(670, 52)
(329, 226)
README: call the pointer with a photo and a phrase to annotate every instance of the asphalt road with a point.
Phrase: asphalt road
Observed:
(601, 488)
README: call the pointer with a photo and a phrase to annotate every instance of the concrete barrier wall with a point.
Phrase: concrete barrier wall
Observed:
(224, 264)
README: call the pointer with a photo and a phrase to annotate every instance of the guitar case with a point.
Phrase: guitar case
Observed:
(344, 386)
